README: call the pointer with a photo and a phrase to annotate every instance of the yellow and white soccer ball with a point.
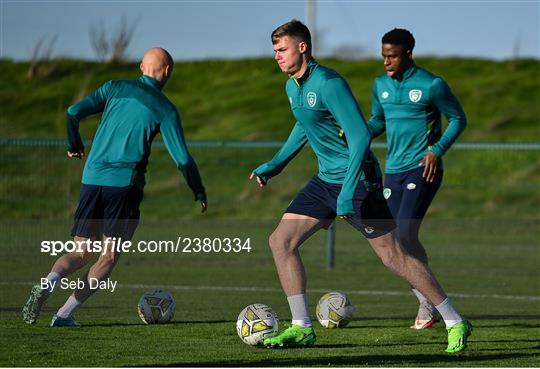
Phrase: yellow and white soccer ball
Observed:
(156, 307)
(334, 310)
(255, 323)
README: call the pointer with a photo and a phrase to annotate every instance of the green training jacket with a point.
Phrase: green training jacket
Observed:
(329, 118)
(410, 112)
(134, 111)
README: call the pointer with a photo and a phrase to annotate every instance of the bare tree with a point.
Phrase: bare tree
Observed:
(121, 40)
(41, 55)
(98, 39)
(112, 49)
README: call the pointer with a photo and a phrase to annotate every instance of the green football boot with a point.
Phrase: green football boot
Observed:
(35, 302)
(293, 336)
(64, 322)
(457, 336)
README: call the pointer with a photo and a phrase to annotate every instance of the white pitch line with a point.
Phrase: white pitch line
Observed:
(316, 290)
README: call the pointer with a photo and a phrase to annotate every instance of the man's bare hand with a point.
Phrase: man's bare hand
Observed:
(259, 180)
(430, 161)
(75, 154)
(204, 206)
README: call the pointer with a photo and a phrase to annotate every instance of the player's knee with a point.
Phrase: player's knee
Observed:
(79, 259)
(108, 260)
(280, 243)
(393, 256)
(275, 242)
(389, 260)
(85, 257)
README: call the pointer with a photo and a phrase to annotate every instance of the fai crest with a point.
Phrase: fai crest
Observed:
(387, 193)
(385, 95)
(415, 95)
(311, 99)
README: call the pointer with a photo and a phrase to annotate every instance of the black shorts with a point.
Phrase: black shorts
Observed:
(409, 195)
(318, 199)
(109, 211)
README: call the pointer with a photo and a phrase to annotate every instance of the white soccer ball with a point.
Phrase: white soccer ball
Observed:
(334, 310)
(156, 307)
(255, 323)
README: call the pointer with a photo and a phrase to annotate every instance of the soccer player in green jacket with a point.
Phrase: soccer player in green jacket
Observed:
(348, 185)
(134, 112)
(407, 103)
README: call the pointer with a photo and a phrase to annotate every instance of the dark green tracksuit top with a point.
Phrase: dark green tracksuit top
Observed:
(329, 118)
(410, 111)
(134, 111)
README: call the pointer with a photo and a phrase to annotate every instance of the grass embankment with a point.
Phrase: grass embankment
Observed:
(245, 100)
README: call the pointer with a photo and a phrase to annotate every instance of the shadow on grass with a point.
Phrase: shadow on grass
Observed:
(48, 309)
(367, 325)
(471, 317)
(505, 341)
(359, 360)
(441, 343)
(140, 323)
(504, 319)
(514, 325)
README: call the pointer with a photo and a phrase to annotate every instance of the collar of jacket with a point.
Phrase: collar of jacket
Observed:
(151, 81)
(312, 65)
(408, 72)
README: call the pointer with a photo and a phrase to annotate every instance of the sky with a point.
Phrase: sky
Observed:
(194, 30)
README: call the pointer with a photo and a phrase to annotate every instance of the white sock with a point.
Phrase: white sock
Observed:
(421, 298)
(53, 278)
(449, 314)
(299, 310)
(69, 307)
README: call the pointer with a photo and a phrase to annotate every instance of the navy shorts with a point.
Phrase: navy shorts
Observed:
(409, 195)
(318, 199)
(109, 211)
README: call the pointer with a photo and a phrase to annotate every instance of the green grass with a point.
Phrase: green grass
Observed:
(39, 182)
(369, 343)
(476, 261)
(482, 232)
(220, 100)
(245, 99)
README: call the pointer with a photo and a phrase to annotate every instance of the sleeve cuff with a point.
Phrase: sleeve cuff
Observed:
(259, 173)
(345, 208)
(436, 150)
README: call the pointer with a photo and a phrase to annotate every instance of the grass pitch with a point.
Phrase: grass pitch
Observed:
(384, 342)
(482, 232)
(492, 278)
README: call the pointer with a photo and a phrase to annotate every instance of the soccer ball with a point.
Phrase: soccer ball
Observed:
(255, 323)
(156, 307)
(334, 310)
